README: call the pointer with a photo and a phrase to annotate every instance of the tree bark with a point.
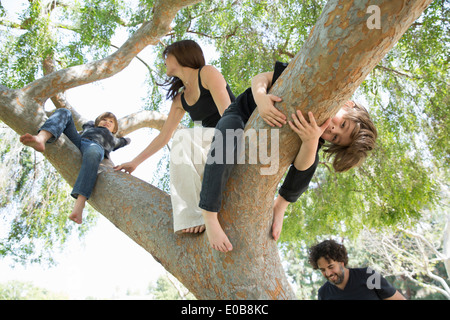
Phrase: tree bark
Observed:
(336, 58)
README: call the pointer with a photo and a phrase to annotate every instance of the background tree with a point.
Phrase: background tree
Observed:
(168, 288)
(416, 254)
(239, 61)
(15, 290)
(34, 203)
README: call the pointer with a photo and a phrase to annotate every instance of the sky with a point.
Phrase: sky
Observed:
(106, 264)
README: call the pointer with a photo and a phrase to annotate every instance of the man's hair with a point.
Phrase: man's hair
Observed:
(108, 115)
(363, 139)
(329, 250)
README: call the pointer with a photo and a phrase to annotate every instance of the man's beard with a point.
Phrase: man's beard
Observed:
(338, 277)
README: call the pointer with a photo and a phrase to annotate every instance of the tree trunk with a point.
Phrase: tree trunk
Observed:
(336, 58)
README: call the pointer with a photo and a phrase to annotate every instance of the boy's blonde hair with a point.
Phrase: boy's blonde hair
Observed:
(108, 115)
(363, 139)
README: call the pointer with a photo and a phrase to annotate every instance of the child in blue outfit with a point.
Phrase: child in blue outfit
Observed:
(95, 142)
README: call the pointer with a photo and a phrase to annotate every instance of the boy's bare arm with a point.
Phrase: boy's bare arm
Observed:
(309, 133)
(306, 156)
(265, 102)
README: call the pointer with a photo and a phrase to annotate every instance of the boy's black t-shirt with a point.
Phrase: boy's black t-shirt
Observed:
(363, 284)
(245, 103)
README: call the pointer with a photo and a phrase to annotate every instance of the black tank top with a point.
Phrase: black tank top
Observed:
(205, 109)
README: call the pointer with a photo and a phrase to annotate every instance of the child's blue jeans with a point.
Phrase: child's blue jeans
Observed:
(61, 122)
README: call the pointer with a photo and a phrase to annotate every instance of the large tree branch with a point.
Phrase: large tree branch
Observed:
(59, 100)
(142, 119)
(148, 34)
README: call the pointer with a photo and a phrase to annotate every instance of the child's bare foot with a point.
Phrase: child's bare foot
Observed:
(279, 208)
(36, 142)
(77, 212)
(76, 216)
(216, 236)
(278, 217)
(197, 229)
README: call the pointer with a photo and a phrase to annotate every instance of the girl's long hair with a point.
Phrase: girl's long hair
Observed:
(188, 54)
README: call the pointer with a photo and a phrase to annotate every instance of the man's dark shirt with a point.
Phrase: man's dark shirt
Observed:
(362, 284)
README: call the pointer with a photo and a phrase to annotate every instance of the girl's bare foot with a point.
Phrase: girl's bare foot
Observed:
(197, 229)
(216, 236)
(36, 142)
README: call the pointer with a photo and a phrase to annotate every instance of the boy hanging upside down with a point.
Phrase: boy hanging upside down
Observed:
(350, 132)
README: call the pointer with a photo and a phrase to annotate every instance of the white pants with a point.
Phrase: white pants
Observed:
(187, 162)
